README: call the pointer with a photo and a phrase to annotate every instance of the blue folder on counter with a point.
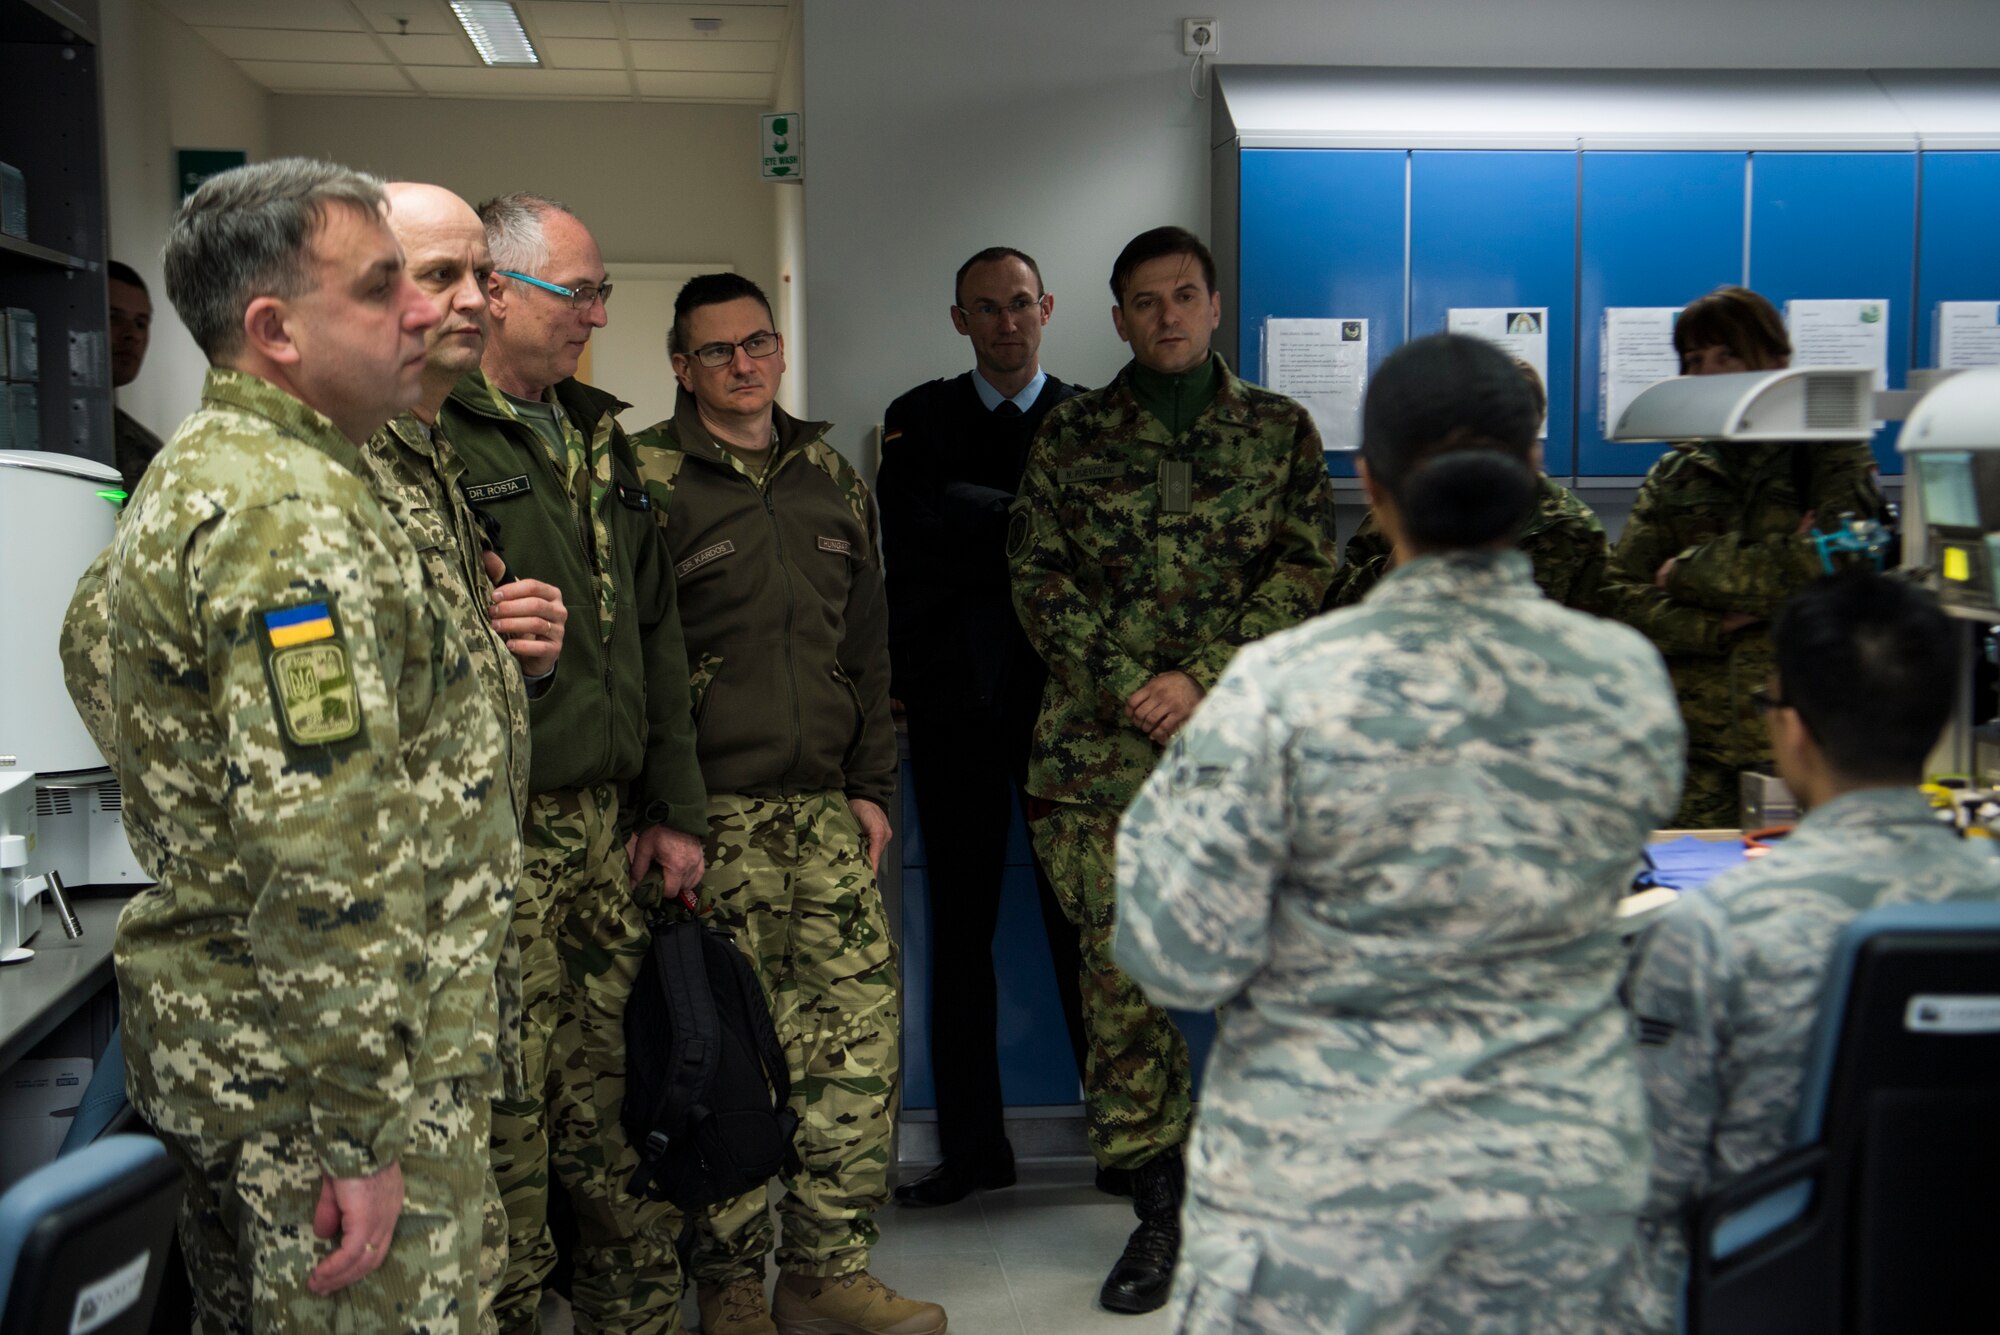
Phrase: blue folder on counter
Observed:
(1688, 862)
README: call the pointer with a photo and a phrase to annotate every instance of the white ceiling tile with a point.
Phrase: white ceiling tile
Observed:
(568, 18)
(523, 83)
(714, 57)
(287, 76)
(673, 22)
(581, 53)
(429, 50)
(424, 16)
(687, 87)
(353, 48)
(320, 15)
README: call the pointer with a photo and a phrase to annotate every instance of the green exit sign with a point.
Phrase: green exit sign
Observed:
(192, 166)
(780, 152)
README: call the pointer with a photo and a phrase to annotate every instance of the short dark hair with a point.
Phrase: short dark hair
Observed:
(1735, 318)
(988, 256)
(117, 272)
(1870, 662)
(1448, 430)
(1156, 244)
(711, 289)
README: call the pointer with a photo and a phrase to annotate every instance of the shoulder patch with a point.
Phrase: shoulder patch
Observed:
(1088, 473)
(1018, 528)
(311, 675)
(493, 491)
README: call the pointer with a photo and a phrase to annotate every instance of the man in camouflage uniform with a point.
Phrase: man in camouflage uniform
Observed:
(615, 788)
(1726, 988)
(444, 248)
(776, 548)
(307, 756)
(1162, 522)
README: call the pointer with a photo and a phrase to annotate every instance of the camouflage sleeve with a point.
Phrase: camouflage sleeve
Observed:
(1363, 562)
(1200, 849)
(1630, 594)
(327, 833)
(670, 788)
(1570, 556)
(86, 655)
(1303, 558)
(1062, 624)
(1676, 985)
(864, 655)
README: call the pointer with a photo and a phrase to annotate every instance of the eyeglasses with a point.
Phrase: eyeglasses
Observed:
(579, 298)
(760, 344)
(986, 310)
(1763, 701)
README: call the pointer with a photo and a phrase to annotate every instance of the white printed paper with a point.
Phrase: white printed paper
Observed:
(1841, 333)
(1519, 331)
(1968, 333)
(1324, 365)
(1635, 352)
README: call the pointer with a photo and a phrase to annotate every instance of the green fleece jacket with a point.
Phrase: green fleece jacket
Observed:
(617, 711)
(781, 599)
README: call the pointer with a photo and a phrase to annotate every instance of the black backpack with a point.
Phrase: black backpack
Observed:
(706, 1091)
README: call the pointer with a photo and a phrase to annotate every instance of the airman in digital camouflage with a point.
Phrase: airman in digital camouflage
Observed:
(774, 540)
(1162, 523)
(1389, 848)
(1726, 988)
(1718, 538)
(309, 767)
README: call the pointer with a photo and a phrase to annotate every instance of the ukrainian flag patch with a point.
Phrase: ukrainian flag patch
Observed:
(312, 677)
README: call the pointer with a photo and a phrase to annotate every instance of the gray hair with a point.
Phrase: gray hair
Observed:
(514, 229)
(247, 233)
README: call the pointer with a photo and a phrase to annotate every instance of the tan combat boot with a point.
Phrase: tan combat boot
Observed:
(734, 1309)
(857, 1304)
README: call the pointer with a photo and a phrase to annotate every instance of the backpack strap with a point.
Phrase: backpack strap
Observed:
(697, 1047)
(764, 1033)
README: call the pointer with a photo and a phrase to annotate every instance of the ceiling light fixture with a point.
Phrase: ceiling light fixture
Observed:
(707, 27)
(496, 32)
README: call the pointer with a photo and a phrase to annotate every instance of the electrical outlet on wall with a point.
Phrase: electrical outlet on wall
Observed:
(1201, 37)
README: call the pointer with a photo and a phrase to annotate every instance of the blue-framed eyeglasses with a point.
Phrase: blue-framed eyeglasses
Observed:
(579, 298)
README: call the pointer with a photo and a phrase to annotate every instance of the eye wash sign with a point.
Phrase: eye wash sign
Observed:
(781, 157)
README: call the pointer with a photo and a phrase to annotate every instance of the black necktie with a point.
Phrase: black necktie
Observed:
(1007, 409)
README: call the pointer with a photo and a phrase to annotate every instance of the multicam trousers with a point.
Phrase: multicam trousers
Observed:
(790, 878)
(1135, 1085)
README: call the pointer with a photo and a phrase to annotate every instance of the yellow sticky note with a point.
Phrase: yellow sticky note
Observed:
(1957, 567)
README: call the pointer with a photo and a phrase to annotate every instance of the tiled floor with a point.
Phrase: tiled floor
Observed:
(1024, 1261)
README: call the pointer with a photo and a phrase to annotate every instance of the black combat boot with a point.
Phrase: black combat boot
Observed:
(1144, 1274)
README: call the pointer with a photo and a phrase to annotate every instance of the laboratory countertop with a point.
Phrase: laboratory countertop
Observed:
(37, 994)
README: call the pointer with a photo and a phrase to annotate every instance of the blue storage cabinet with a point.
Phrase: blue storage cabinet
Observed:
(1657, 229)
(1958, 238)
(1840, 225)
(1036, 1069)
(1322, 238)
(1498, 228)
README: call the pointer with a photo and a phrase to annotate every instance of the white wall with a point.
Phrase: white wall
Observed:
(1064, 127)
(656, 182)
(164, 89)
(788, 205)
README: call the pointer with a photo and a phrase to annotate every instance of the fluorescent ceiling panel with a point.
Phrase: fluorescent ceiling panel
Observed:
(496, 33)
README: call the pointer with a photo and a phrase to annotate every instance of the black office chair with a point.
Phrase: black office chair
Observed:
(1883, 1217)
(83, 1241)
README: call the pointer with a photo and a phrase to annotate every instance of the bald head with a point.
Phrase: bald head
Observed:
(444, 246)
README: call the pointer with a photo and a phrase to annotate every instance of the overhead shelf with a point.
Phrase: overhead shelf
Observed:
(13, 249)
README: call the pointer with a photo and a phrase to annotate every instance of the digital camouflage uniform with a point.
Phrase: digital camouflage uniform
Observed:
(787, 640)
(1134, 553)
(1390, 848)
(309, 768)
(1563, 540)
(612, 750)
(1726, 989)
(1729, 517)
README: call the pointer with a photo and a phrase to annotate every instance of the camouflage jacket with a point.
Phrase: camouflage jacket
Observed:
(1563, 540)
(616, 711)
(781, 598)
(1389, 846)
(1135, 554)
(1729, 517)
(308, 764)
(1726, 988)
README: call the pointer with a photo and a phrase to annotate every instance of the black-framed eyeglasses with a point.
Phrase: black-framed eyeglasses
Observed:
(986, 310)
(760, 344)
(1764, 700)
(579, 298)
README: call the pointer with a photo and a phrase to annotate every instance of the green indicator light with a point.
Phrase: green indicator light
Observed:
(115, 497)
